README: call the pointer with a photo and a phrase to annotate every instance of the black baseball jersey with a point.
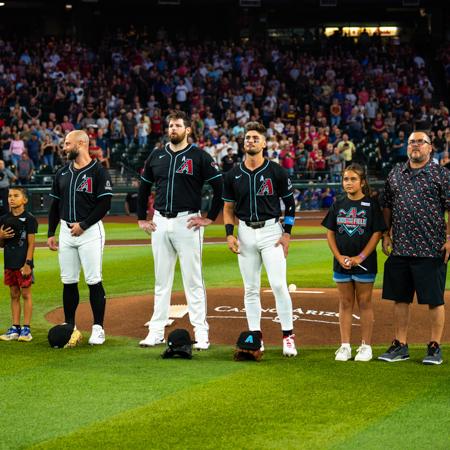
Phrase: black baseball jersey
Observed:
(354, 222)
(16, 248)
(78, 190)
(179, 177)
(257, 193)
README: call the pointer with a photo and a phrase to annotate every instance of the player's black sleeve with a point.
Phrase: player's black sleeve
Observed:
(289, 211)
(53, 217)
(145, 189)
(101, 208)
(217, 202)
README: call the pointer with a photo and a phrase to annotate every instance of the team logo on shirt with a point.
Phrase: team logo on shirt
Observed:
(266, 187)
(186, 166)
(351, 221)
(85, 185)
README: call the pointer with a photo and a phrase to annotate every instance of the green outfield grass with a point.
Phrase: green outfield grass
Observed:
(115, 231)
(121, 396)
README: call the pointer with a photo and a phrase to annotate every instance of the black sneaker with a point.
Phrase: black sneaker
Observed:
(396, 352)
(434, 354)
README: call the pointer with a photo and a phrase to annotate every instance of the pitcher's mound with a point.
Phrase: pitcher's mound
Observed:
(316, 320)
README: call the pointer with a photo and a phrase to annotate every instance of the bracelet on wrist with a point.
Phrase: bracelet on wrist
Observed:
(362, 256)
(229, 229)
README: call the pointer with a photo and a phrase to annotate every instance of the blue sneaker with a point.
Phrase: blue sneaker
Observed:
(434, 354)
(25, 335)
(396, 352)
(12, 334)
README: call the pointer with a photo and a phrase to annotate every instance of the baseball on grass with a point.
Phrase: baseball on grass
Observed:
(292, 288)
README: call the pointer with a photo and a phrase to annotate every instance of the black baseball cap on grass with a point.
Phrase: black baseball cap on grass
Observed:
(59, 335)
(179, 343)
(249, 340)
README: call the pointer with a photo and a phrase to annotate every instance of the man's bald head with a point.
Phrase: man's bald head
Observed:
(76, 143)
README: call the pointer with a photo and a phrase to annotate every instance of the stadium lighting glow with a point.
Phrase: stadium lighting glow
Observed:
(2, 4)
(68, 6)
(356, 31)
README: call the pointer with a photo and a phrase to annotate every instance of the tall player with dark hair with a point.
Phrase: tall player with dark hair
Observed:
(178, 171)
(81, 195)
(252, 192)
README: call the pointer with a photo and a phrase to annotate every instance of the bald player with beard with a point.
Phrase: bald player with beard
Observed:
(81, 194)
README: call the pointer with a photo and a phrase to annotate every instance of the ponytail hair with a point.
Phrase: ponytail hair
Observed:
(359, 170)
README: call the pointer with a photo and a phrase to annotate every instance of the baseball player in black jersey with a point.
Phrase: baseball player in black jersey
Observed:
(252, 192)
(178, 171)
(81, 195)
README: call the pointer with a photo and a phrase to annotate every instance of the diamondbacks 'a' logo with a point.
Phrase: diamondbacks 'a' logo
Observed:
(351, 221)
(186, 167)
(266, 188)
(85, 185)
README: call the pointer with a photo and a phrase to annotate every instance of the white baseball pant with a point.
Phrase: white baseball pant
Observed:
(257, 246)
(172, 238)
(84, 251)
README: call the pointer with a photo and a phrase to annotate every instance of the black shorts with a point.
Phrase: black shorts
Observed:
(404, 276)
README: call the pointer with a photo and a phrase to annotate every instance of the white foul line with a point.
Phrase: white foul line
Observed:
(298, 292)
(271, 318)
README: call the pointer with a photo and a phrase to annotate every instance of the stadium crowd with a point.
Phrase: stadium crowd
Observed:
(322, 104)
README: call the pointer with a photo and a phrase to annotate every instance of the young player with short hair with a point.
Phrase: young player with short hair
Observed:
(17, 235)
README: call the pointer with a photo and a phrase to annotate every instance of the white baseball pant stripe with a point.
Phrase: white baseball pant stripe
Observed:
(257, 247)
(84, 251)
(172, 238)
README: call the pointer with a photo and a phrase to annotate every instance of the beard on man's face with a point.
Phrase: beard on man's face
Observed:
(253, 151)
(73, 154)
(177, 138)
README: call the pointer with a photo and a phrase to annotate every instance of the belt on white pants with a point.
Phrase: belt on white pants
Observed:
(173, 215)
(258, 224)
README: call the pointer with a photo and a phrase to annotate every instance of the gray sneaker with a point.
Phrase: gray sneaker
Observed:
(396, 352)
(434, 354)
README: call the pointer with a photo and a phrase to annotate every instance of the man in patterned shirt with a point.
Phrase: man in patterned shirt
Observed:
(416, 198)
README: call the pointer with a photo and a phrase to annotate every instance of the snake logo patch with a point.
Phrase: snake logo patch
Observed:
(85, 185)
(186, 167)
(266, 188)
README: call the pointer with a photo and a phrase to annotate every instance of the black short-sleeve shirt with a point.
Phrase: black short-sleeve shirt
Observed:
(354, 222)
(15, 253)
(179, 177)
(257, 193)
(78, 190)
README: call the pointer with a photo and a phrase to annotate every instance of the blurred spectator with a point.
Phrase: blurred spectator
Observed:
(143, 131)
(336, 163)
(6, 178)
(48, 151)
(229, 160)
(34, 149)
(129, 128)
(16, 148)
(347, 148)
(24, 169)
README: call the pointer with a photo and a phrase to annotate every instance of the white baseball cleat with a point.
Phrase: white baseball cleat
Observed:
(364, 353)
(343, 353)
(201, 341)
(97, 335)
(152, 339)
(289, 346)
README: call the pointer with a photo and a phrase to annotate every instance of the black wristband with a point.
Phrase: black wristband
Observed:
(29, 262)
(287, 228)
(229, 229)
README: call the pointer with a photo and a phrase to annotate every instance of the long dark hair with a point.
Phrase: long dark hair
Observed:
(359, 170)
